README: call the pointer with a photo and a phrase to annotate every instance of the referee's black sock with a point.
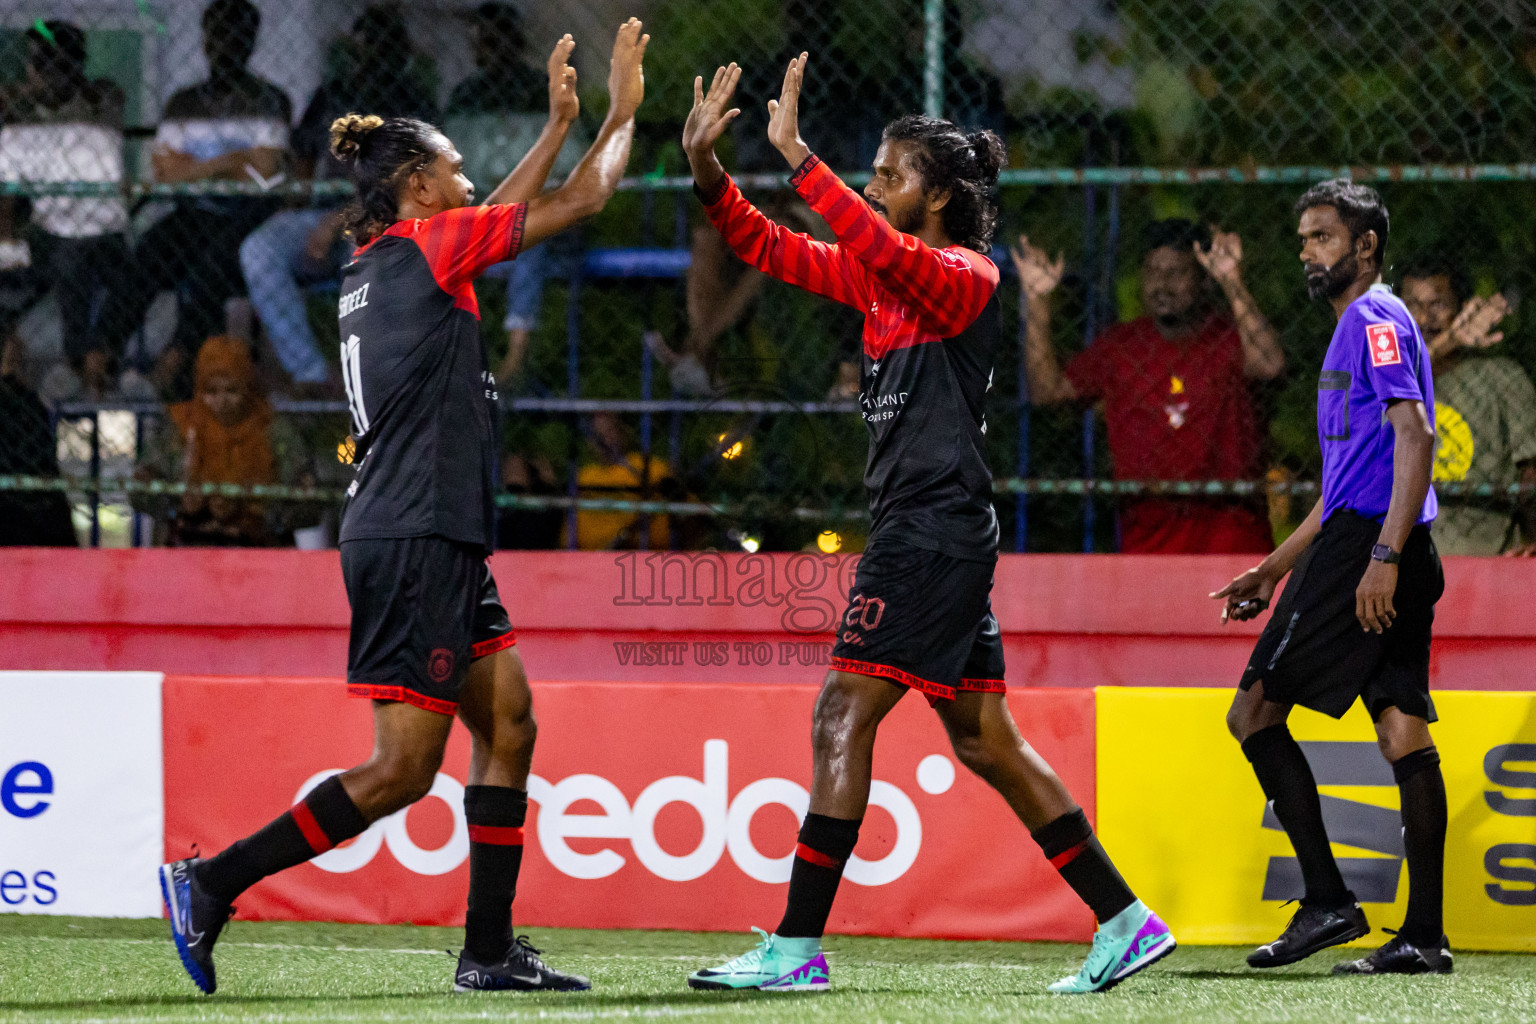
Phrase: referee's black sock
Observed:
(495, 815)
(324, 818)
(1287, 780)
(1424, 814)
(1074, 851)
(824, 847)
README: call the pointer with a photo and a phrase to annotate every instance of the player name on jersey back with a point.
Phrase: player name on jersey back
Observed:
(352, 301)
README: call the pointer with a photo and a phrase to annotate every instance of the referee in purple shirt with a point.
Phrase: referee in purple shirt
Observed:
(1355, 619)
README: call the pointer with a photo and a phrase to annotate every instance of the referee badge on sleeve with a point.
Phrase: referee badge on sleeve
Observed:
(1383, 341)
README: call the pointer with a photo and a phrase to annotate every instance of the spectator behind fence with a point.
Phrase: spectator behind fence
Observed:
(37, 518)
(1485, 410)
(721, 292)
(619, 472)
(529, 529)
(494, 117)
(60, 126)
(231, 127)
(373, 69)
(1173, 383)
(226, 434)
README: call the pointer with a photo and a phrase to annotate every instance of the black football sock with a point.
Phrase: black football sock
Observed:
(325, 817)
(1074, 851)
(1287, 780)
(824, 847)
(1424, 814)
(495, 815)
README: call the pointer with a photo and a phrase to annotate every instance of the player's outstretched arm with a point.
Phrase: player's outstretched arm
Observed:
(946, 289)
(775, 250)
(596, 177)
(1249, 594)
(528, 177)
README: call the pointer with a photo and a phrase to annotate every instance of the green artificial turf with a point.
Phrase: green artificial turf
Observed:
(81, 969)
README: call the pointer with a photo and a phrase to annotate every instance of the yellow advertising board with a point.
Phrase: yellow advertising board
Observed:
(1180, 811)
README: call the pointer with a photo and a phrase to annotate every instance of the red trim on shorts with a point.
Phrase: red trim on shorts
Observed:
(314, 835)
(895, 675)
(982, 686)
(1067, 856)
(494, 644)
(816, 857)
(403, 695)
(496, 835)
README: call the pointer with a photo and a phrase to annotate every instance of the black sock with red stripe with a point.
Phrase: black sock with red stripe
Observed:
(825, 846)
(324, 818)
(495, 815)
(1074, 851)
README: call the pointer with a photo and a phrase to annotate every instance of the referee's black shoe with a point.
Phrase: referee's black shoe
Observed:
(196, 919)
(1312, 928)
(520, 970)
(1399, 956)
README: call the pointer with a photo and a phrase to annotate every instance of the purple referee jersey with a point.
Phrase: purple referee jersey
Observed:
(1376, 357)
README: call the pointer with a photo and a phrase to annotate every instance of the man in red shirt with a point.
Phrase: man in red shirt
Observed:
(1173, 383)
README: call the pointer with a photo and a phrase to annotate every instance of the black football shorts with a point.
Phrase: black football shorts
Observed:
(422, 609)
(492, 629)
(922, 619)
(1314, 651)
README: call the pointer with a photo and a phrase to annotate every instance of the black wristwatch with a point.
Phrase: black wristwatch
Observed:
(1383, 553)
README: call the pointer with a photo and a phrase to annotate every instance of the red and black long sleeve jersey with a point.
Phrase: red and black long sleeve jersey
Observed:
(422, 397)
(931, 327)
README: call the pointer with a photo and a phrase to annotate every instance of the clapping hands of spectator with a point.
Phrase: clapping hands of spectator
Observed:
(1038, 273)
(1474, 325)
(1223, 258)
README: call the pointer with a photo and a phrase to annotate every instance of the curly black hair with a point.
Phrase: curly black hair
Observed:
(381, 152)
(1360, 208)
(965, 165)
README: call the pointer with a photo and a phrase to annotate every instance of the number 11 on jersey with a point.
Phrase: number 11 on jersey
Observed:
(352, 377)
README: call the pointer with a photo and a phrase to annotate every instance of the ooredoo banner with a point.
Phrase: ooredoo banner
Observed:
(1192, 832)
(652, 806)
(81, 816)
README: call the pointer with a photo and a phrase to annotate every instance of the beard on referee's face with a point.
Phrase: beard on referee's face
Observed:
(1325, 282)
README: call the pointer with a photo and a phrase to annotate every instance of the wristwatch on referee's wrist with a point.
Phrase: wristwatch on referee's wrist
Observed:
(1384, 553)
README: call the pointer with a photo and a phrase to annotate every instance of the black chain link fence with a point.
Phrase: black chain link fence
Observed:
(165, 181)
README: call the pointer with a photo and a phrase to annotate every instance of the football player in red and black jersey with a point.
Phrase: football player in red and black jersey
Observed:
(919, 617)
(430, 638)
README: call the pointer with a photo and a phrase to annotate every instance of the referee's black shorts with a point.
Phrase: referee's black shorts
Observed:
(922, 619)
(422, 609)
(1315, 653)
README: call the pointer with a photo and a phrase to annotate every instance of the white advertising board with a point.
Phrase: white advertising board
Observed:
(82, 797)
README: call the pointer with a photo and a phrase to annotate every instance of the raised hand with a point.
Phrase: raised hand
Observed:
(1223, 258)
(1038, 273)
(784, 115)
(712, 113)
(1474, 325)
(626, 75)
(563, 102)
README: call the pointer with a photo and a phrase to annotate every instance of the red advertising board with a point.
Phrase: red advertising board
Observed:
(1066, 620)
(653, 805)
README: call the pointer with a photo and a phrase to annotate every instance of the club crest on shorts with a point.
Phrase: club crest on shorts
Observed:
(440, 664)
(1383, 341)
